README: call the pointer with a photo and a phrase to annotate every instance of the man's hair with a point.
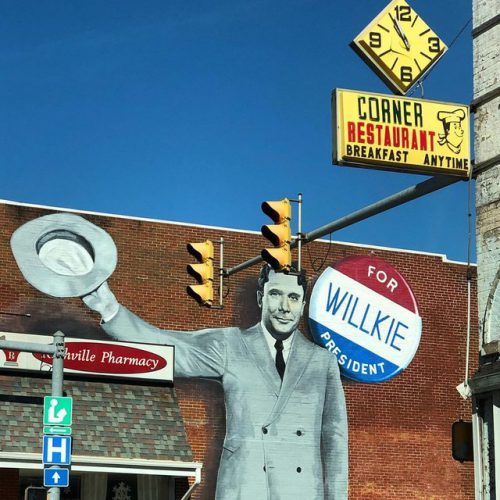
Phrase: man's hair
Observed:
(264, 277)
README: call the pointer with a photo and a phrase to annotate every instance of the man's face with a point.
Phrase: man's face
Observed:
(455, 134)
(282, 304)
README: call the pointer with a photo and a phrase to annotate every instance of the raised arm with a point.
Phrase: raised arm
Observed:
(197, 354)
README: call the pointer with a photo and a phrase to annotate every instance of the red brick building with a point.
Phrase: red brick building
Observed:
(399, 430)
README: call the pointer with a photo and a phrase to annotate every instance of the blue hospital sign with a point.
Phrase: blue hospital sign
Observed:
(364, 312)
(56, 450)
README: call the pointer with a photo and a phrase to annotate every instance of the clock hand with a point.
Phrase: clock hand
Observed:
(400, 32)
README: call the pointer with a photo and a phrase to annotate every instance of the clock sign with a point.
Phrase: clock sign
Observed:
(399, 46)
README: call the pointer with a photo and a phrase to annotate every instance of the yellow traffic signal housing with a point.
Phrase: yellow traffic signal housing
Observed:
(279, 234)
(203, 272)
(462, 445)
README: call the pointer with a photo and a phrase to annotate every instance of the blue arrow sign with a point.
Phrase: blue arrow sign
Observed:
(56, 477)
(56, 450)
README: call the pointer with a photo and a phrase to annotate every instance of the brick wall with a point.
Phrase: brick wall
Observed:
(399, 430)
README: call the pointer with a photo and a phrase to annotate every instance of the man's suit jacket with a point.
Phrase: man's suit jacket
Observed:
(276, 433)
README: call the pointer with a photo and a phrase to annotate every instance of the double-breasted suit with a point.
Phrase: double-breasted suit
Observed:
(284, 440)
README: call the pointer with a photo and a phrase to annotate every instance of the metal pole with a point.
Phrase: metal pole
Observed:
(409, 194)
(27, 346)
(57, 391)
(477, 430)
(299, 234)
(221, 271)
(378, 207)
(58, 365)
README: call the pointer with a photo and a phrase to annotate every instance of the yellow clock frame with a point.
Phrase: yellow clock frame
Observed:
(399, 46)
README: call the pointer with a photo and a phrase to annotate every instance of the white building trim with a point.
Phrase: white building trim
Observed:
(82, 463)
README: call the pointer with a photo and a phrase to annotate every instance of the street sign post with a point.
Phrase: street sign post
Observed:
(56, 477)
(57, 420)
(54, 447)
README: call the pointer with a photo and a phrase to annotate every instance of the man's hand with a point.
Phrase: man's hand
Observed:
(103, 301)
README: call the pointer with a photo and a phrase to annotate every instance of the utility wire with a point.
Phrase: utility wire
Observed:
(421, 81)
(323, 259)
(457, 36)
(469, 276)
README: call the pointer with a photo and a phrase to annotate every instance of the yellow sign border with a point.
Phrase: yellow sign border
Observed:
(398, 133)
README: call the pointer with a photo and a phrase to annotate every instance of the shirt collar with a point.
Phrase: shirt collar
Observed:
(287, 343)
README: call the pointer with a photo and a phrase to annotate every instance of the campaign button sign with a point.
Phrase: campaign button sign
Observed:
(56, 450)
(364, 312)
(56, 477)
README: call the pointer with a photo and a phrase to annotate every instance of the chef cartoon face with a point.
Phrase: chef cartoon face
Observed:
(453, 133)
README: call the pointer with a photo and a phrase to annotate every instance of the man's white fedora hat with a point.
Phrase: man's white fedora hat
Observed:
(64, 255)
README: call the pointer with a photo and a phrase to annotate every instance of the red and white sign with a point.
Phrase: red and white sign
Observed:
(363, 311)
(94, 357)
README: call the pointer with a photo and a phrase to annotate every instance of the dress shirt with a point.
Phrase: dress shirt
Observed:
(287, 343)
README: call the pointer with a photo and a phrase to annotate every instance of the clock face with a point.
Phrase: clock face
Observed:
(400, 46)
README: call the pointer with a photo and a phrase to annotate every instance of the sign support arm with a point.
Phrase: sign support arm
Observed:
(409, 194)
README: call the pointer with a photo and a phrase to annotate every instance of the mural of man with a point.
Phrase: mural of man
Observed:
(286, 424)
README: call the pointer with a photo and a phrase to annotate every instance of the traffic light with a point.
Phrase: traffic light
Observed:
(279, 234)
(202, 272)
(462, 448)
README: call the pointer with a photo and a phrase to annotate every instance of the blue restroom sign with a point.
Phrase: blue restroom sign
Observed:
(364, 312)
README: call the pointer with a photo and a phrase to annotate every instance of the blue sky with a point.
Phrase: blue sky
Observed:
(197, 111)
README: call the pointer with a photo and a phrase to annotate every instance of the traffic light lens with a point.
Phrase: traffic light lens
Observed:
(201, 272)
(271, 235)
(203, 294)
(194, 252)
(201, 251)
(270, 211)
(279, 211)
(278, 258)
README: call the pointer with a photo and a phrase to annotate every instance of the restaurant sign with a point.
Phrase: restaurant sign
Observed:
(399, 133)
(94, 357)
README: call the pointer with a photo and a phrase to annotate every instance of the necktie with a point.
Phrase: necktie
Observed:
(279, 362)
